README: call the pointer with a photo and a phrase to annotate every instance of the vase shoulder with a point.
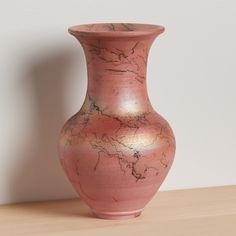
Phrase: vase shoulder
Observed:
(98, 129)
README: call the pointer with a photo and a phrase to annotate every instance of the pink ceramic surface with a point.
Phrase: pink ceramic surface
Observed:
(116, 151)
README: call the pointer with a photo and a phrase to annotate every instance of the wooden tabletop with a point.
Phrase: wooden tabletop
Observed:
(200, 212)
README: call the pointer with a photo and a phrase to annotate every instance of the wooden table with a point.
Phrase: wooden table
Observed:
(206, 211)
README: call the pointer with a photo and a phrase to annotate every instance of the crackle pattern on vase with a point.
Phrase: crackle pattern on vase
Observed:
(116, 151)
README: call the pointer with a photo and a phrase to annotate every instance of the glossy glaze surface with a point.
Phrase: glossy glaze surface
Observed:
(116, 151)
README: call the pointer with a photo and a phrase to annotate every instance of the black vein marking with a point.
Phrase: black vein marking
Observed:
(93, 106)
(116, 70)
(127, 27)
(115, 200)
(138, 77)
(121, 54)
(163, 160)
(111, 27)
(135, 45)
(77, 168)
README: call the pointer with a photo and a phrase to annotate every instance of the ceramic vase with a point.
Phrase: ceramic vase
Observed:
(116, 151)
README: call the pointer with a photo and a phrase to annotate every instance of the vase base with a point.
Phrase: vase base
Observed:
(117, 215)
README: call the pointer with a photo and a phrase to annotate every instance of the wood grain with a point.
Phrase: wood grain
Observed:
(206, 211)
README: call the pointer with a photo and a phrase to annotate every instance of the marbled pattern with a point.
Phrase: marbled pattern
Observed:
(116, 150)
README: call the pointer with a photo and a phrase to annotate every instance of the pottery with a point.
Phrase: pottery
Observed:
(116, 151)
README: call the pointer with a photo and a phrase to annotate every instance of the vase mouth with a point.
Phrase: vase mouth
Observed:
(116, 30)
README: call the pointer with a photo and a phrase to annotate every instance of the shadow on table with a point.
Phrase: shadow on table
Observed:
(60, 208)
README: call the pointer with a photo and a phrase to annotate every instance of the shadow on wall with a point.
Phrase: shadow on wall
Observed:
(39, 175)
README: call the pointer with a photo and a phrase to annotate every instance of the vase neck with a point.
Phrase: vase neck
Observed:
(116, 55)
(117, 74)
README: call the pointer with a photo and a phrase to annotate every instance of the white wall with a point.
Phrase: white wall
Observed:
(191, 80)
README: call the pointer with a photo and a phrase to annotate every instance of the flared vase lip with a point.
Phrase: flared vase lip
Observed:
(116, 30)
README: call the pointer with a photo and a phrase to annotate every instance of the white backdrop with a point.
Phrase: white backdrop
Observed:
(191, 82)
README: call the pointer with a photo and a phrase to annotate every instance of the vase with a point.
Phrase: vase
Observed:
(116, 151)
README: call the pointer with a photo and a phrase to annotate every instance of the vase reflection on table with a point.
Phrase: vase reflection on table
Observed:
(116, 151)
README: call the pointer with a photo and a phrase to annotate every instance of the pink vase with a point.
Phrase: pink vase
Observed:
(116, 151)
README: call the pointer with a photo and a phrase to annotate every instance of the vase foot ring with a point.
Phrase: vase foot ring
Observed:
(117, 215)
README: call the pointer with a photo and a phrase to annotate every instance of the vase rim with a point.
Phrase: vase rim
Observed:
(113, 30)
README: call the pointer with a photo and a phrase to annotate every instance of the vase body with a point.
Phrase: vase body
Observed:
(116, 151)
